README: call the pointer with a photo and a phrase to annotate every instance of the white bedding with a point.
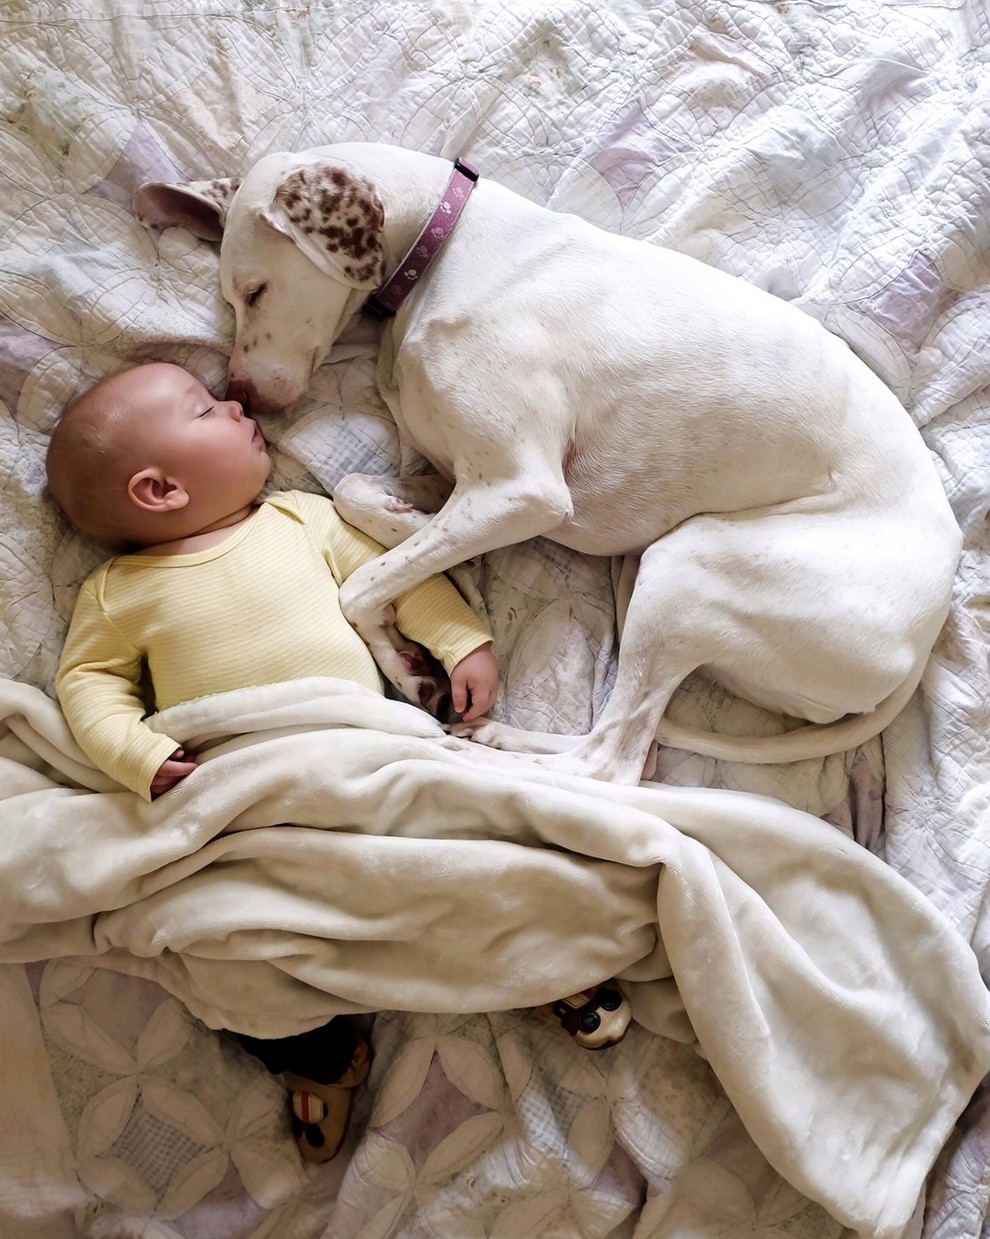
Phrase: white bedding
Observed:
(836, 154)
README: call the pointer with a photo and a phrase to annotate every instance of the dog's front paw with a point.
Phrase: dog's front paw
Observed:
(425, 683)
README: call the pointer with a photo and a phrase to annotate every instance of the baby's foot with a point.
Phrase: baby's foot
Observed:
(319, 1113)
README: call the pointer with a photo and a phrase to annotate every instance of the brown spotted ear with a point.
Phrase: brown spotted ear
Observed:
(200, 206)
(336, 219)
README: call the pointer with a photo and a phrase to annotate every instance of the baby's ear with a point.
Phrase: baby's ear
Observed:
(151, 490)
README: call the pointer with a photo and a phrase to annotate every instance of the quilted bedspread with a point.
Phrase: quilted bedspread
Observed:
(837, 154)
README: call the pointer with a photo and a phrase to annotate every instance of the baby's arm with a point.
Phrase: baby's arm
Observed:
(98, 687)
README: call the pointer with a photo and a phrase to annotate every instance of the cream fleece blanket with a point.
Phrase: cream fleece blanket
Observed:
(336, 852)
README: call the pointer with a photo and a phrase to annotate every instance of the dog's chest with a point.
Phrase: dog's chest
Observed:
(423, 417)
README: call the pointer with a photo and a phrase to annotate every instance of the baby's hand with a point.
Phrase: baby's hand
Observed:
(474, 683)
(173, 770)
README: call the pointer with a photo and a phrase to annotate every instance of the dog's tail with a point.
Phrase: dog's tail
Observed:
(812, 740)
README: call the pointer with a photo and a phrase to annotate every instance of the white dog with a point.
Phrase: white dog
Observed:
(622, 399)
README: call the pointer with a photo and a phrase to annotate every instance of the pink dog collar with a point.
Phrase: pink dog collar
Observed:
(384, 303)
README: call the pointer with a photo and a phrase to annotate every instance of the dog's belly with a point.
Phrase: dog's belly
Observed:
(623, 505)
(625, 498)
(599, 527)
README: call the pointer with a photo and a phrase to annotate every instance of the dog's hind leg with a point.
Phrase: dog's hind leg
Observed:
(797, 614)
(659, 648)
(494, 735)
(497, 735)
(663, 640)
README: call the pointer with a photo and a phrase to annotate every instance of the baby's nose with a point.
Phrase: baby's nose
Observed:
(236, 409)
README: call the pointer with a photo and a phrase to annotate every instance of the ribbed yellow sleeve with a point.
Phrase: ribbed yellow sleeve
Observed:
(99, 688)
(258, 608)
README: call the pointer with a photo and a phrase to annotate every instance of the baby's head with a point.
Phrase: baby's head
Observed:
(148, 455)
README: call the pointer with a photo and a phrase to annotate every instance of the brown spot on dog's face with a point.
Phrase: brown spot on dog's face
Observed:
(344, 211)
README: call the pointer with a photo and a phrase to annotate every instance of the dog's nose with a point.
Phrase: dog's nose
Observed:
(241, 392)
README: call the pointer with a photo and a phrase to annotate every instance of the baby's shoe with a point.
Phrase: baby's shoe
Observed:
(595, 1017)
(319, 1113)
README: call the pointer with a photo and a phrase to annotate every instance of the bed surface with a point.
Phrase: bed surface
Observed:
(835, 154)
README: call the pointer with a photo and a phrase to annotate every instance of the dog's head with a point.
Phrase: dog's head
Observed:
(301, 247)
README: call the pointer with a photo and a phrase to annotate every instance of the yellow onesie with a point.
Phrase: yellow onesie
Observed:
(258, 608)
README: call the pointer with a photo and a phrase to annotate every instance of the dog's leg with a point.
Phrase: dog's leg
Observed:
(475, 519)
(665, 636)
(498, 735)
(784, 627)
(426, 681)
(390, 509)
(494, 735)
(625, 570)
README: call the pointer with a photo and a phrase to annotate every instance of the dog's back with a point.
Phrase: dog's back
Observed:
(652, 373)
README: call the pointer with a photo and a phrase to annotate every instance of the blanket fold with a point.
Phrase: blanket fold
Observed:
(336, 852)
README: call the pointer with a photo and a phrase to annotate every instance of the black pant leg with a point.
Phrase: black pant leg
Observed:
(322, 1054)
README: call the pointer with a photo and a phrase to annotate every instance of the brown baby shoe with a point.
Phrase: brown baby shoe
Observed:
(319, 1113)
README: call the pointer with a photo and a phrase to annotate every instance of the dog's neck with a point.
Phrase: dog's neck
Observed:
(427, 245)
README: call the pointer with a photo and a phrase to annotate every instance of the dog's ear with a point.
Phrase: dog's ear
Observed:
(200, 206)
(336, 219)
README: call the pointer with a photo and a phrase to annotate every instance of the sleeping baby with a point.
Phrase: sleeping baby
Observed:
(219, 591)
(216, 591)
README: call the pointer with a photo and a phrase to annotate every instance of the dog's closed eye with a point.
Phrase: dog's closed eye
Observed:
(254, 296)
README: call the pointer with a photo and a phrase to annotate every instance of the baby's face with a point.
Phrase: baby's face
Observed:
(217, 453)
